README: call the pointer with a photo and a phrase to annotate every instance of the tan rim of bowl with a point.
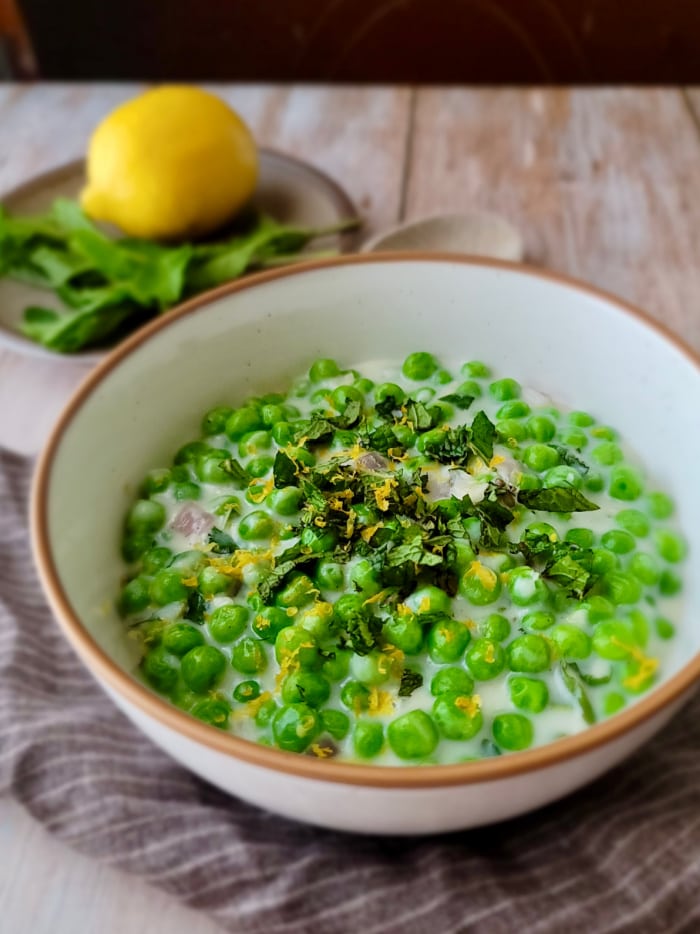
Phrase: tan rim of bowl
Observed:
(160, 710)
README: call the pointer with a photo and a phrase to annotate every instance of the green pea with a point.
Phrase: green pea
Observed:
(364, 577)
(562, 476)
(323, 368)
(269, 621)
(343, 395)
(405, 435)
(367, 738)
(227, 623)
(317, 619)
(515, 408)
(625, 484)
(246, 691)
(604, 432)
(447, 640)
(156, 481)
(145, 516)
(413, 735)
(428, 599)
(604, 561)
(607, 454)
(529, 694)
(526, 587)
(419, 366)
(265, 714)
(160, 670)
(584, 538)
(570, 641)
(442, 377)
(209, 468)
(285, 501)
(619, 542)
(391, 391)
(485, 659)
(664, 628)
(469, 388)
(670, 545)
(529, 653)
(541, 428)
(307, 686)
(214, 422)
(505, 389)
(538, 620)
(581, 419)
(512, 731)
(348, 606)
(318, 541)
(167, 587)
(669, 584)
(259, 466)
(510, 429)
(255, 442)
(185, 491)
(256, 525)
(594, 482)
(621, 588)
(659, 505)
(372, 669)
(495, 627)
(330, 575)
(337, 667)
(633, 521)
(249, 656)
(202, 668)
(599, 608)
(425, 394)
(451, 680)
(135, 596)
(640, 627)
(573, 438)
(296, 643)
(212, 581)
(430, 441)
(540, 457)
(442, 411)
(243, 420)
(405, 632)
(458, 716)
(271, 414)
(190, 453)
(613, 639)
(476, 369)
(355, 696)
(283, 433)
(294, 726)
(298, 591)
(479, 584)
(612, 703)
(336, 723)
(179, 638)
(212, 710)
(136, 544)
(189, 562)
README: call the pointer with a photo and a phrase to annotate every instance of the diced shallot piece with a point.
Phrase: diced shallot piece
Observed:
(192, 521)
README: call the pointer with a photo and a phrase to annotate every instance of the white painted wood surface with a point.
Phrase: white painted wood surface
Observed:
(604, 184)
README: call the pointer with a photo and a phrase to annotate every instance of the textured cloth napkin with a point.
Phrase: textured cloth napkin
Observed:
(623, 855)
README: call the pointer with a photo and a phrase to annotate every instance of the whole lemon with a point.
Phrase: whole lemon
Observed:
(175, 162)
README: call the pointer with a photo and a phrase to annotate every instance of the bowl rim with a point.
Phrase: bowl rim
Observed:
(152, 705)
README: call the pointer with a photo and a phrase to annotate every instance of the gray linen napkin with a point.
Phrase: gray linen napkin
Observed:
(620, 856)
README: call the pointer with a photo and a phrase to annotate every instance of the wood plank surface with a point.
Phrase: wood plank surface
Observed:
(604, 183)
(356, 134)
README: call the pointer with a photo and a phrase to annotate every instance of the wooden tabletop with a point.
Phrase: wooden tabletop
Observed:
(603, 183)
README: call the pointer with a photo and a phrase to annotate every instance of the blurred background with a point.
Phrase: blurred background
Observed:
(466, 41)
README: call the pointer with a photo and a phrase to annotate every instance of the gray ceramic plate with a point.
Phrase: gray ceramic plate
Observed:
(288, 189)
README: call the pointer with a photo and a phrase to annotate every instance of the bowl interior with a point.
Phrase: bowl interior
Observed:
(573, 344)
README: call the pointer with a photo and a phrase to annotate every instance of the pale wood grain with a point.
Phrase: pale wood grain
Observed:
(47, 889)
(356, 134)
(604, 183)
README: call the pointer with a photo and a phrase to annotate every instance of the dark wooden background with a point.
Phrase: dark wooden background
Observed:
(479, 41)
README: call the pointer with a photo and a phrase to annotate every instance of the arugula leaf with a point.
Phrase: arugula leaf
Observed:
(195, 607)
(556, 499)
(570, 575)
(386, 407)
(222, 541)
(418, 415)
(410, 680)
(284, 470)
(574, 684)
(592, 681)
(460, 400)
(569, 458)
(320, 428)
(483, 434)
(287, 562)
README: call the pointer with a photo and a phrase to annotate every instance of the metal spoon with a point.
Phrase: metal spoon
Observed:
(477, 233)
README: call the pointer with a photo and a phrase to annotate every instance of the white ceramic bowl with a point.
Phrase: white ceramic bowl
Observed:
(582, 347)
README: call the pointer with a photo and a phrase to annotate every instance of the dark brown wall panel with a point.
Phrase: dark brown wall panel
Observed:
(369, 40)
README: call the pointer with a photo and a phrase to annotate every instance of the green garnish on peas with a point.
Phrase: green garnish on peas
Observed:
(402, 564)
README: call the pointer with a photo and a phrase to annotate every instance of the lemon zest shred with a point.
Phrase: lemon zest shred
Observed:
(470, 705)
(367, 533)
(383, 492)
(321, 752)
(380, 702)
(267, 488)
(485, 575)
(189, 581)
(496, 460)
